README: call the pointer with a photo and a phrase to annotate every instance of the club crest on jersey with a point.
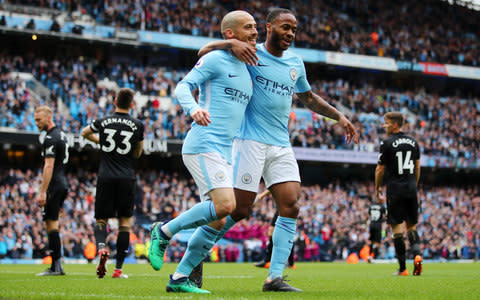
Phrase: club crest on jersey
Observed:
(220, 176)
(293, 74)
(246, 178)
(199, 63)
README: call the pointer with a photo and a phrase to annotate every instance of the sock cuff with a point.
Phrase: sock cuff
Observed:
(53, 231)
(211, 208)
(230, 222)
(398, 236)
(209, 231)
(124, 229)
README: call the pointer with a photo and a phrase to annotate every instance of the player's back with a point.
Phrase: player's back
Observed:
(399, 153)
(225, 90)
(55, 145)
(275, 79)
(119, 136)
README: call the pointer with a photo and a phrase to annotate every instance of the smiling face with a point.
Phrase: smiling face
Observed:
(240, 25)
(281, 31)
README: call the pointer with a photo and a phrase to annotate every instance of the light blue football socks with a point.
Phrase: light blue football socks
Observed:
(283, 237)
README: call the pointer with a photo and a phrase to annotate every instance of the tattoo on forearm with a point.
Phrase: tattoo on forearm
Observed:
(320, 106)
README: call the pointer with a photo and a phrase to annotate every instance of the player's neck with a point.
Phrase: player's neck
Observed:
(272, 50)
(50, 126)
(121, 110)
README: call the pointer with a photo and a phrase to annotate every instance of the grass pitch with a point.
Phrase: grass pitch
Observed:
(243, 281)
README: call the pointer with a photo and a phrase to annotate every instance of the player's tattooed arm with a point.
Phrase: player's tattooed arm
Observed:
(322, 107)
(242, 50)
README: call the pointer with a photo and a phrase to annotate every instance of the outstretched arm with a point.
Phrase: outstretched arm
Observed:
(243, 51)
(320, 106)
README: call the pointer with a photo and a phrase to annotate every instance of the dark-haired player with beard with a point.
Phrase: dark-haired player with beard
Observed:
(54, 188)
(121, 142)
(399, 165)
(262, 147)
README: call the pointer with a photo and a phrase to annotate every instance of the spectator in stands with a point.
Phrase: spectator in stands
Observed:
(30, 25)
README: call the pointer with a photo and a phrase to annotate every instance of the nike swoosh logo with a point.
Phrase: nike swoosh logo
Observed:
(262, 65)
(206, 248)
(290, 241)
(232, 75)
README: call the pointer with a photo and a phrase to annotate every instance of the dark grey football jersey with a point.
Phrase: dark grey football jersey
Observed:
(119, 135)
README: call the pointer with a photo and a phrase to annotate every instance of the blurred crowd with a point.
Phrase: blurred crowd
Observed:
(404, 30)
(447, 127)
(332, 221)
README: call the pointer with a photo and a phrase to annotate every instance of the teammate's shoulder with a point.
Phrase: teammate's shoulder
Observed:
(215, 54)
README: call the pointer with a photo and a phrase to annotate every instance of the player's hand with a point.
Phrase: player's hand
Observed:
(201, 116)
(244, 52)
(350, 131)
(380, 197)
(41, 199)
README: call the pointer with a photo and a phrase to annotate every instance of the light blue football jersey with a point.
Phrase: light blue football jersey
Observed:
(225, 90)
(275, 79)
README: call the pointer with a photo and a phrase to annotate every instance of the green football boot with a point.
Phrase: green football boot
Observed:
(184, 285)
(158, 244)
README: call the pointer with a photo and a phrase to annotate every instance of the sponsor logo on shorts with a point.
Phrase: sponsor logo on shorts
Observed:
(220, 176)
(246, 178)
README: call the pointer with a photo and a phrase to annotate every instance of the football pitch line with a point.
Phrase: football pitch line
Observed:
(126, 272)
(102, 296)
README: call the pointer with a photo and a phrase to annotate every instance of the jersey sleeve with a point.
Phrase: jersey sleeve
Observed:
(95, 125)
(382, 155)
(302, 85)
(204, 70)
(50, 147)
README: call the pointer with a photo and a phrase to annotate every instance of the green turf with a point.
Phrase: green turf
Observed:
(243, 281)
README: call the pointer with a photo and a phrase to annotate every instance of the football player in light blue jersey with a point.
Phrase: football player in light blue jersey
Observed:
(262, 147)
(225, 90)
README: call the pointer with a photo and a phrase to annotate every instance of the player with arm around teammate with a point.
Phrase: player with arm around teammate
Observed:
(120, 137)
(262, 147)
(399, 166)
(225, 90)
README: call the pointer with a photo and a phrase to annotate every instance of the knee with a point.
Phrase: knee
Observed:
(289, 208)
(240, 213)
(225, 207)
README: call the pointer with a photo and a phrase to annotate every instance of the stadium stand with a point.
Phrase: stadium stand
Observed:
(81, 87)
(332, 218)
(367, 27)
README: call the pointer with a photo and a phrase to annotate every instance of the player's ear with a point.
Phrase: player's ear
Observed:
(269, 27)
(115, 101)
(229, 34)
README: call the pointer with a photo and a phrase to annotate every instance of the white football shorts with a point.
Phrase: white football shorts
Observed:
(253, 160)
(210, 171)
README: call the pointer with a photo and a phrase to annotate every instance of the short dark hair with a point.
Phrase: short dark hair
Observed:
(395, 117)
(124, 98)
(275, 12)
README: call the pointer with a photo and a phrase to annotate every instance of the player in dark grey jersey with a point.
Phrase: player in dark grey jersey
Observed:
(376, 216)
(121, 142)
(399, 165)
(53, 189)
